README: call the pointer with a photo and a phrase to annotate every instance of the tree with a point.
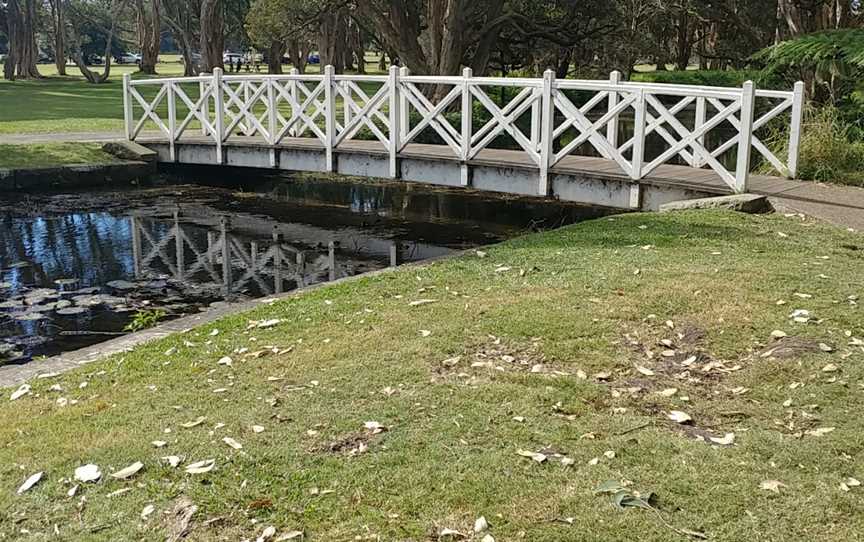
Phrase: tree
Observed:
(21, 23)
(212, 36)
(58, 22)
(283, 26)
(182, 16)
(149, 33)
(94, 20)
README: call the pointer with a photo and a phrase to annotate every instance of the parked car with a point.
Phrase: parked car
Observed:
(231, 58)
(314, 58)
(128, 58)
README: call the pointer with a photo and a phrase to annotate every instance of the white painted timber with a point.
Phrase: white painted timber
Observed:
(547, 120)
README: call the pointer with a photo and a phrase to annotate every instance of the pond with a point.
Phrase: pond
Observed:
(79, 268)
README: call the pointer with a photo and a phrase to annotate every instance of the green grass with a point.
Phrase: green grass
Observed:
(570, 301)
(70, 104)
(52, 154)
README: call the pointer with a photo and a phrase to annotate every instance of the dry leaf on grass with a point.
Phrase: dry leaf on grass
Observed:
(129, 471)
(30, 482)
(772, 485)
(88, 473)
(201, 467)
(678, 416)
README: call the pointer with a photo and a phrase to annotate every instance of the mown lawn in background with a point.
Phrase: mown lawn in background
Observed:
(563, 342)
(53, 154)
(70, 104)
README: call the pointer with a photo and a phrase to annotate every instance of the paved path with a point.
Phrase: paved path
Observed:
(842, 206)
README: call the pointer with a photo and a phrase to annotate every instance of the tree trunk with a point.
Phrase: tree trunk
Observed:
(149, 36)
(212, 35)
(13, 33)
(274, 56)
(684, 48)
(185, 42)
(298, 53)
(331, 43)
(58, 20)
(23, 52)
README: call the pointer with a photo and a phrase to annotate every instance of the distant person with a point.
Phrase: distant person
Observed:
(239, 65)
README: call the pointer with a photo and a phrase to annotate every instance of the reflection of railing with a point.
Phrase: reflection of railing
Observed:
(234, 261)
(276, 107)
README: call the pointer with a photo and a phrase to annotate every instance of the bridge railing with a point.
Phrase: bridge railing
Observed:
(638, 126)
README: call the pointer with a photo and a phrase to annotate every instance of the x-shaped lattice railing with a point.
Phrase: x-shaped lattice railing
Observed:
(504, 120)
(299, 98)
(364, 113)
(432, 115)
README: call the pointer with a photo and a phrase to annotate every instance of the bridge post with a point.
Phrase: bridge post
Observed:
(293, 132)
(795, 129)
(395, 121)
(612, 127)
(271, 119)
(745, 137)
(404, 108)
(639, 135)
(700, 120)
(127, 106)
(547, 131)
(172, 121)
(329, 117)
(205, 106)
(467, 126)
(218, 107)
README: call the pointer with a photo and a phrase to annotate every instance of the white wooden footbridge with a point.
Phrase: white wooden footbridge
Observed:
(612, 143)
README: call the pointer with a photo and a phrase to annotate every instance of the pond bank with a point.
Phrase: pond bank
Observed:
(510, 384)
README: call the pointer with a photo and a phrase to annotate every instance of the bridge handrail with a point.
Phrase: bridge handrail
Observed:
(335, 108)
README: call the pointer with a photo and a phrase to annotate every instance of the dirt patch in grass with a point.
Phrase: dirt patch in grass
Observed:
(790, 348)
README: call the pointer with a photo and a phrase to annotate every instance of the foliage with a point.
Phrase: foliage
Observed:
(831, 62)
(145, 318)
(711, 78)
(831, 149)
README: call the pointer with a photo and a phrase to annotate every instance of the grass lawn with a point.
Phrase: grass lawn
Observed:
(577, 342)
(53, 154)
(70, 104)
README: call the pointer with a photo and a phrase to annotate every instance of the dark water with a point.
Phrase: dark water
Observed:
(76, 268)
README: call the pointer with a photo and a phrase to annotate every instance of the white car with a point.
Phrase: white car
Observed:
(128, 58)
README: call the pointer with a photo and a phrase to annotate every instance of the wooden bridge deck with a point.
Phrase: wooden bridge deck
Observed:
(686, 177)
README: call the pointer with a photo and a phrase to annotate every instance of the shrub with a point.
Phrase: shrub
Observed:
(830, 150)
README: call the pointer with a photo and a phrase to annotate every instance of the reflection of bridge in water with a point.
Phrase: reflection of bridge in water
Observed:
(256, 255)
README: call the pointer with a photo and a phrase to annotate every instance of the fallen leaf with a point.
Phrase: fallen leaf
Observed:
(88, 473)
(201, 467)
(678, 416)
(419, 302)
(772, 485)
(290, 535)
(198, 421)
(30, 482)
(172, 460)
(129, 471)
(232, 443)
(452, 534)
(257, 429)
(266, 534)
(645, 370)
(536, 456)
(22, 390)
(480, 524)
(818, 432)
(668, 392)
(159, 443)
(726, 440)
(149, 509)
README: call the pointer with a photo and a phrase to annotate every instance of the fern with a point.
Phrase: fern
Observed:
(832, 51)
